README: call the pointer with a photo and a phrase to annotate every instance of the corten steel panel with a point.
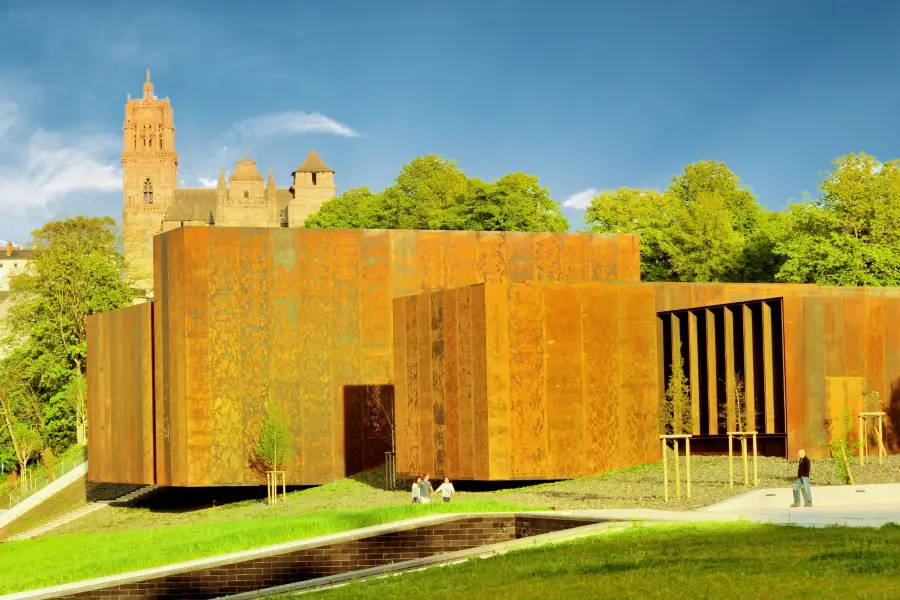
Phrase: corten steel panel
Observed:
(768, 368)
(498, 380)
(828, 333)
(794, 373)
(694, 372)
(749, 372)
(480, 433)
(841, 392)
(565, 406)
(637, 406)
(450, 334)
(730, 382)
(600, 334)
(253, 316)
(563, 380)
(436, 361)
(466, 385)
(120, 395)
(426, 422)
(527, 373)
(712, 401)
(891, 393)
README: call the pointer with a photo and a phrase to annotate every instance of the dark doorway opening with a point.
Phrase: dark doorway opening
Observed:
(368, 424)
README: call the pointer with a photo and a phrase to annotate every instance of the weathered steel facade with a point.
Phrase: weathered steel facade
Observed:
(502, 356)
(243, 317)
(837, 343)
(120, 395)
(525, 380)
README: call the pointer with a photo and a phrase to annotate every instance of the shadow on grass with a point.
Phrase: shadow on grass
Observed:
(185, 500)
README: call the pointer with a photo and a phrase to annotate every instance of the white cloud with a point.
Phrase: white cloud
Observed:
(581, 200)
(207, 182)
(292, 122)
(38, 168)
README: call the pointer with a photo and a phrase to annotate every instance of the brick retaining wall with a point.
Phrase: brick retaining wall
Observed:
(340, 557)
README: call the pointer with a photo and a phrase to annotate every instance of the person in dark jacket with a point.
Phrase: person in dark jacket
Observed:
(802, 482)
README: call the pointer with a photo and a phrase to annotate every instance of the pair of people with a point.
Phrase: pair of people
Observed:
(422, 490)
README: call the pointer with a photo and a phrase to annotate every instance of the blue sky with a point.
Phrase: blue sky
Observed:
(583, 94)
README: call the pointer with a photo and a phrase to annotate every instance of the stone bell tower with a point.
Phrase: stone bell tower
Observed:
(149, 167)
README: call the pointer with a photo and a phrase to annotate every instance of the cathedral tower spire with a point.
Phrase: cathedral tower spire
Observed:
(150, 172)
(148, 87)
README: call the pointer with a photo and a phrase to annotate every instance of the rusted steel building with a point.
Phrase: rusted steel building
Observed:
(303, 318)
(500, 356)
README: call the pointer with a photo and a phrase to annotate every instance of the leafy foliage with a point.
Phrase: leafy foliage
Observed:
(76, 394)
(841, 445)
(270, 447)
(706, 227)
(433, 193)
(75, 270)
(675, 413)
(848, 236)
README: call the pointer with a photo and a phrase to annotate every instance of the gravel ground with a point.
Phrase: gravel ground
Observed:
(642, 487)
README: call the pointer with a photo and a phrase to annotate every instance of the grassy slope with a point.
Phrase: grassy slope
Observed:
(82, 556)
(634, 487)
(697, 562)
(69, 498)
(39, 473)
(135, 538)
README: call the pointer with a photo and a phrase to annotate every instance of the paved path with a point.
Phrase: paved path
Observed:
(853, 506)
(851, 516)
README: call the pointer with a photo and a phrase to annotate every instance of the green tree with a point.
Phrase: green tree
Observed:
(424, 195)
(270, 447)
(515, 202)
(356, 208)
(76, 394)
(644, 212)
(433, 193)
(675, 416)
(849, 235)
(706, 227)
(75, 271)
(22, 423)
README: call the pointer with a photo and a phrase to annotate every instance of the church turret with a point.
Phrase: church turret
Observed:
(270, 185)
(313, 185)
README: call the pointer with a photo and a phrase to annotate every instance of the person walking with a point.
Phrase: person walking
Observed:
(802, 482)
(446, 489)
(425, 490)
(415, 490)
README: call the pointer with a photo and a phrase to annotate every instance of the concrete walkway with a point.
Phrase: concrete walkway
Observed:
(852, 506)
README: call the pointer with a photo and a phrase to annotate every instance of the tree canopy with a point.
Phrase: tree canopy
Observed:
(707, 226)
(75, 270)
(433, 193)
(850, 234)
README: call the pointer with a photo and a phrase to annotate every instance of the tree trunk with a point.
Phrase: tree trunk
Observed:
(12, 433)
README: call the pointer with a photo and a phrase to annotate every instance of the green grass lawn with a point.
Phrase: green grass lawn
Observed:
(53, 560)
(696, 562)
(637, 487)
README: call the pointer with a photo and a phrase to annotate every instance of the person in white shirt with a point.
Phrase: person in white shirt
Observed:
(415, 490)
(446, 489)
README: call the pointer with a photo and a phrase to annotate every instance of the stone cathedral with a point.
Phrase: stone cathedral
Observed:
(154, 203)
